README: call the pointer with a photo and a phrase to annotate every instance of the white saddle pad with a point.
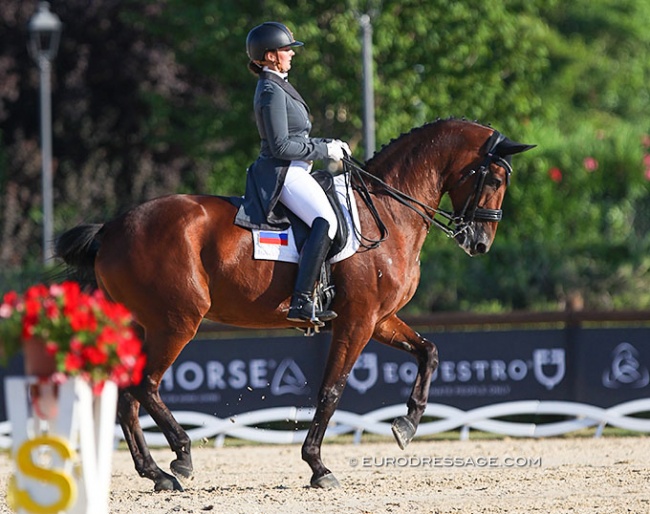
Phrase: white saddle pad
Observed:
(280, 245)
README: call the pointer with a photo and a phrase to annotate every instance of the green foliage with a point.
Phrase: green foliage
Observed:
(153, 97)
(583, 235)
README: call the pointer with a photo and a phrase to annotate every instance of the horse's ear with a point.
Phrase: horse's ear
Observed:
(508, 147)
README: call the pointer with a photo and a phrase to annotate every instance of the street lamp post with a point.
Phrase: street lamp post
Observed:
(45, 33)
(368, 89)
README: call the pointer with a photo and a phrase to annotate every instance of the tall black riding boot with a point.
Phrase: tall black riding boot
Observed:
(311, 260)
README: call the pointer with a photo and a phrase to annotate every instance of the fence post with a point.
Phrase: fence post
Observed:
(62, 445)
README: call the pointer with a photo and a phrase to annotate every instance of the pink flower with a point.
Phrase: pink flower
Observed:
(6, 310)
(555, 174)
(590, 164)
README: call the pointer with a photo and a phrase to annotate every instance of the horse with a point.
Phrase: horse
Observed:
(176, 260)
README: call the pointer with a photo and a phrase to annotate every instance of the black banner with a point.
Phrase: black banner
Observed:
(601, 367)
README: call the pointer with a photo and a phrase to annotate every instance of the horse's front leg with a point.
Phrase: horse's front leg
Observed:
(397, 334)
(343, 353)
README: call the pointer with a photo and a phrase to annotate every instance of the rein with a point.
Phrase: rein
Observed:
(461, 221)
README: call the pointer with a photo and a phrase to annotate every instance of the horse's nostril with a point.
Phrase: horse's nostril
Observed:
(481, 248)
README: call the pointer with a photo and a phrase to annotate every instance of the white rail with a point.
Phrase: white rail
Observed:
(244, 426)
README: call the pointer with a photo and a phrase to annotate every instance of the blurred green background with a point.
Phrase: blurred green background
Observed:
(153, 97)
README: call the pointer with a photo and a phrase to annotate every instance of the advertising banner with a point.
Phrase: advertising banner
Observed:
(601, 367)
(225, 377)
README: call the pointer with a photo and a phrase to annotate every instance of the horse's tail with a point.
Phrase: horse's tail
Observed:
(78, 248)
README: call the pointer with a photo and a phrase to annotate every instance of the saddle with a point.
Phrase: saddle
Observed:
(324, 290)
(300, 229)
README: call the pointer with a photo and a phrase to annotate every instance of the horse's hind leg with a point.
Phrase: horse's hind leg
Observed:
(179, 441)
(127, 414)
(397, 334)
(162, 347)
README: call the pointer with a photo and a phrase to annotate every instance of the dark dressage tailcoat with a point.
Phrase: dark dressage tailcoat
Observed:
(282, 118)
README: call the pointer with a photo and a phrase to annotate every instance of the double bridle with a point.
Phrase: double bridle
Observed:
(456, 223)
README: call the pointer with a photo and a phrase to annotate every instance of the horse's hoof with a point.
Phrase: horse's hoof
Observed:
(328, 481)
(403, 430)
(168, 483)
(181, 470)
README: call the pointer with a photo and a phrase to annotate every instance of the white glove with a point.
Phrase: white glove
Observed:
(338, 149)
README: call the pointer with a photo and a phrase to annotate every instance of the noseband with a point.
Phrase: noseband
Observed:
(457, 223)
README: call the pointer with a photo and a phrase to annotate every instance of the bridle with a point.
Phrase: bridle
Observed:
(471, 211)
(456, 223)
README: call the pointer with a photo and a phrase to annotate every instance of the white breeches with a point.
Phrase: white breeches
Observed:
(303, 196)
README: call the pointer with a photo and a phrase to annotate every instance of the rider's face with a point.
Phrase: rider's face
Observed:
(281, 58)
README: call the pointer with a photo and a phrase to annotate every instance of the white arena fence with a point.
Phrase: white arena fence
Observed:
(202, 426)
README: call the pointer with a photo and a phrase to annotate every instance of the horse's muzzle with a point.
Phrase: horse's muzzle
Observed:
(474, 241)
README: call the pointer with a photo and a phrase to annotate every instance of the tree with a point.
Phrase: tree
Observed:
(153, 97)
(107, 154)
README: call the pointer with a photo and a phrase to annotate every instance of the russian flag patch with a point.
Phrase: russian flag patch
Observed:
(274, 238)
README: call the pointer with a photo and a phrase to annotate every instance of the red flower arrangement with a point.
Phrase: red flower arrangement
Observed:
(88, 335)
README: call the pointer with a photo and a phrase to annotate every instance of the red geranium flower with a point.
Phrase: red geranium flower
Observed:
(72, 362)
(94, 355)
(89, 336)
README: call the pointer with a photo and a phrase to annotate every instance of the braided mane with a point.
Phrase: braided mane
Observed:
(393, 149)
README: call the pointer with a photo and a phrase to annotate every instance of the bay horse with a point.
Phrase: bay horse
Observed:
(178, 259)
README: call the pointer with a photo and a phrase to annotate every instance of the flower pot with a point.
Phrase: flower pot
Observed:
(44, 397)
(38, 362)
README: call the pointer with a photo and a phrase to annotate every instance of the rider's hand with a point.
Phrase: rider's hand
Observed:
(337, 149)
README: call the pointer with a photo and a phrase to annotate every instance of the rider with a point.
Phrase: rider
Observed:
(280, 175)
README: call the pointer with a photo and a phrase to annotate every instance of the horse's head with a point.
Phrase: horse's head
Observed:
(477, 192)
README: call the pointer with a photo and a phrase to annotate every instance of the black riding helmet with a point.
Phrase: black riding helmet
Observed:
(268, 36)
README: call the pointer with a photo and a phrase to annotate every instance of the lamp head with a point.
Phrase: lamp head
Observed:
(45, 33)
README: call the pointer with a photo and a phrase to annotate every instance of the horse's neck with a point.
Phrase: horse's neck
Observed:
(422, 163)
(406, 228)
(414, 175)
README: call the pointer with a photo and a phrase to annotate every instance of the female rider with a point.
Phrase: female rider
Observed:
(280, 175)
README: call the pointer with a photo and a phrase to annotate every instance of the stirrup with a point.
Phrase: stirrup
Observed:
(303, 308)
(301, 316)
